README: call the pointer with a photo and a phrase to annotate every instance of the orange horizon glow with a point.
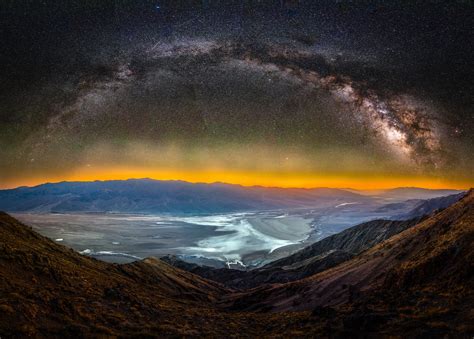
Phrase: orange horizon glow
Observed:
(248, 178)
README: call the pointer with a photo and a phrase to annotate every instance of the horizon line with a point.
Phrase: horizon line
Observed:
(232, 184)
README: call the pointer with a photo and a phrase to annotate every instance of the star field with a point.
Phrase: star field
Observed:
(283, 93)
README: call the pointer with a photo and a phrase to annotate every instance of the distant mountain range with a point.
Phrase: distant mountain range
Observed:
(399, 279)
(412, 208)
(154, 196)
(405, 193)
(425, 207)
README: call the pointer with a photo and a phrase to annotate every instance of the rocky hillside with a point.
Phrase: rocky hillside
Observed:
(353, 240)
(50, 289)
(422, 277)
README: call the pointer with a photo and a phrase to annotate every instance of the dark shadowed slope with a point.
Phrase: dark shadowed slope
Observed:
(421, 279)
(353, 240)
(49, 289)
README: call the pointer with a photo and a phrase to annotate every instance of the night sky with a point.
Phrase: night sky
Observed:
(275, 93)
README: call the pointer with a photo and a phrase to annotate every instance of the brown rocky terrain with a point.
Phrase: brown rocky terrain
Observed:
(418, 283)
(48, 290)
(423, 275)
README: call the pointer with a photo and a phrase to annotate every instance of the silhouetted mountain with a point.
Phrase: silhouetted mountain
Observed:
(153, 196)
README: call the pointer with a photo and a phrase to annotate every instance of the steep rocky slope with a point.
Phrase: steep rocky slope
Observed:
(48, 288)
(353, 240)
(420, 280)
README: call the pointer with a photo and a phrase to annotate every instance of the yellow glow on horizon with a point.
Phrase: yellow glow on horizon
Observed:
(249, 178)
